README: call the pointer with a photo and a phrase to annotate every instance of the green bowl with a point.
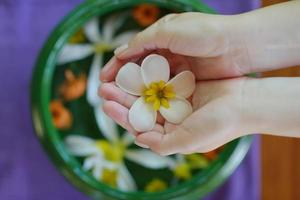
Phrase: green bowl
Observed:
(47, 76)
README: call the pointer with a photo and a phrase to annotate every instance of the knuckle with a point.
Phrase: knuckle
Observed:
(160, 149)
(101, 91)
(169, 17)
(125, 100)
(135, 39)
(163, 24)
(161, 152)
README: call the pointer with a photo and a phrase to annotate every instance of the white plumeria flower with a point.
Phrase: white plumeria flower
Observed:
(151, 82)
(101, 155)
(101, 42)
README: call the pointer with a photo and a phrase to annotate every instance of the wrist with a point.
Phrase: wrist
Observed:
(251, 118)
(237, 34)
(271, 105)
(259, 38)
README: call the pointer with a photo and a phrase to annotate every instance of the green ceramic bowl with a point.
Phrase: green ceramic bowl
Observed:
(46, 76)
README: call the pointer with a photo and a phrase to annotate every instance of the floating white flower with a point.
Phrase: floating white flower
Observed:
(101, 41)
(106, 158)
(151, 82)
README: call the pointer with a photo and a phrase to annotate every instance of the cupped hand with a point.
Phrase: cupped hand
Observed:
(202, 43)
(217, 118)
(197, 42)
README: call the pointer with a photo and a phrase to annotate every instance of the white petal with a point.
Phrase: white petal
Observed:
(72, 52)
(97, 171)
(88, 163)
(129, 79)
(149, 159)
(91, 30)
(99, 164)
(110, 26)
(123, 38)
(127, 139)
(183, 84)
(125, 180)
(111, 165)
(155, 68)
(179, 109)
(106, 125)
(142, 116)
(92, 161)
(80, 145)
(93, 81)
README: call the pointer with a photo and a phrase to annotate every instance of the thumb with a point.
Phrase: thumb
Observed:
(177, 141)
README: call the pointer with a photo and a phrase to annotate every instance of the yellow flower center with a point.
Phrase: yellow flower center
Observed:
(102, 47)
(197, 161)
(182, 171)
(112, 152)
(155, 185)
(159, 94)
(109, 176)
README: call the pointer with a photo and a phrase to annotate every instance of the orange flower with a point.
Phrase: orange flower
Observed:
(61, 116)
(73, 87)
(211, 155)
(214, 153)
(146, 14)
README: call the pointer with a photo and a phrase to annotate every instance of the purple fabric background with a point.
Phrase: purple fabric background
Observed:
(25, 171)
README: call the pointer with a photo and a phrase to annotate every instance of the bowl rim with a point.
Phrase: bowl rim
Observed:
(49, 137)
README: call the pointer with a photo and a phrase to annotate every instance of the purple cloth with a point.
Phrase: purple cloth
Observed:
(25, 171)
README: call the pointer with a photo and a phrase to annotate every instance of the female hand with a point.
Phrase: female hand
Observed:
(216, 47)
(197, 42)
(223, 110)
(216, 120)
(219, 46)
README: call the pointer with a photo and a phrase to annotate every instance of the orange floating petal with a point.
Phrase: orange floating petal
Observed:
(73, 87)
(146, 14)
(211, 155)
(61, 116)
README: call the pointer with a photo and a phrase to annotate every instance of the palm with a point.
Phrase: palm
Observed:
(204, 68)
(216, 120)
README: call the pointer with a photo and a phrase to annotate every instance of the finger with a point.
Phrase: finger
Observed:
(119, 114)
(111, 92)
(110, 70)
(150, 39)
(166, 144)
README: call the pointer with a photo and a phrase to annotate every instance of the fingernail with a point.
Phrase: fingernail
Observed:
(105, 70)
(107, 65)
(141, 145)
(120, 49)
